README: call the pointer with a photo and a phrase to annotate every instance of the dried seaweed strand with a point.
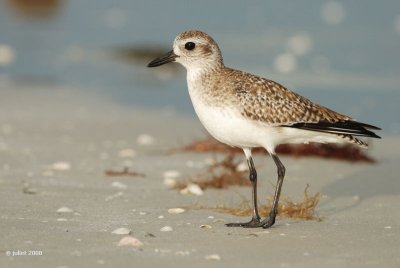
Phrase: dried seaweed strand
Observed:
(346, 152)
(304, 210)
(223, 175)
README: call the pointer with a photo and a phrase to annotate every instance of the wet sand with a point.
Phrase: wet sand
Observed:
(58, 204)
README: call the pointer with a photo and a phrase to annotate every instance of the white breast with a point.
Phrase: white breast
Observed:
(226, 124)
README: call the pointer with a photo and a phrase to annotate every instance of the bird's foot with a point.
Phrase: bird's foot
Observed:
(253, 223)
(269, 221)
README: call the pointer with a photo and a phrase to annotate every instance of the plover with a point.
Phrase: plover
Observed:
(246, 111)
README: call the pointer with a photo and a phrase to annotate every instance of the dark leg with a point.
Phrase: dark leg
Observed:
(255, 220)
(270, 220)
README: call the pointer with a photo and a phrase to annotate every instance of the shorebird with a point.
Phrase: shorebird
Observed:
(247, 111)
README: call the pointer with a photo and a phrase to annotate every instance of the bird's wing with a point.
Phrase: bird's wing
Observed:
(267, 101)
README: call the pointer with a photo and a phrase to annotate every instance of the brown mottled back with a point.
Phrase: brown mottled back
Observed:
(267, 101)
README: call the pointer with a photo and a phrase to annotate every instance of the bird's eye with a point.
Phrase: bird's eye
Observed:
(190, 46)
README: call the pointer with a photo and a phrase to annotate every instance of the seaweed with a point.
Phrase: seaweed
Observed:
(286, 208)
(220, 175)
(344, 152)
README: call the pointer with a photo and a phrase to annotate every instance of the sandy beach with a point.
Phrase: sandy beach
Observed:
(59, 209)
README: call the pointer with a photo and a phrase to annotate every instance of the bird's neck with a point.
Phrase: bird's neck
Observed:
(195, 73)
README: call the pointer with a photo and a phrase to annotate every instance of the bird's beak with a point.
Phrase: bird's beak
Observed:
(169, 57)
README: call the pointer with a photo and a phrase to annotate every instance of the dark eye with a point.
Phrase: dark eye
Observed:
(190, 45)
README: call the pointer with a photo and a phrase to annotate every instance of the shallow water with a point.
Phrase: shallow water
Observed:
(341, 55)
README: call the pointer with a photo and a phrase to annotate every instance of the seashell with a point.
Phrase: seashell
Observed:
(176, 210)
(64, 210)
(213, 257)
(121, 231)
(166, 229)
(130, 241)
(61, 166)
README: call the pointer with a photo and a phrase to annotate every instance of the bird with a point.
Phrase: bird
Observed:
(247, 111)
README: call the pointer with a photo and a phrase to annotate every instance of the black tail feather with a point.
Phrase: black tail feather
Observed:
(365, 125)
(341, 128)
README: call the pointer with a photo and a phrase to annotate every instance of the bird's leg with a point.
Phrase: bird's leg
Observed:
(253, 179)
(270, 220)
(255, 220)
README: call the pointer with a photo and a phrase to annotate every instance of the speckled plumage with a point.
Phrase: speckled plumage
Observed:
(264, 100)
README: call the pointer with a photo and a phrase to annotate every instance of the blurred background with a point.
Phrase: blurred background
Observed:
(343, 54)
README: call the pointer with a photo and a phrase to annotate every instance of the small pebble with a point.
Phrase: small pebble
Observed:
(126, 153)
(170, 182)
(64, 210)
(171, 174)
(130, 241)
(62, 219)
(116, 195)
(61, 166)
(161, 217)
(121, 231)
(119, 185)
(388, 227)
(213, 257)
(192, 189)
(145, 140)
(242, 167)
(205, 226)
(182, 253)
(176, 210)
(166, 229)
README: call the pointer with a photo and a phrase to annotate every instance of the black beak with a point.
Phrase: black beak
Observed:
(169, 57)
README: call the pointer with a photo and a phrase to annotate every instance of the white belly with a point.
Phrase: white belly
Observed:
(227, 126)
